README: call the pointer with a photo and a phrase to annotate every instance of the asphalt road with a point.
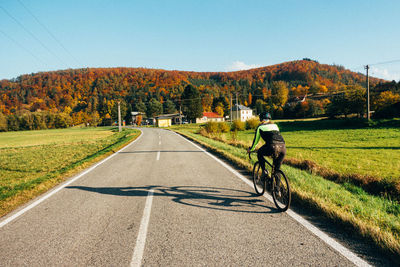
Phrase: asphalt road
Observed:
(197, 214)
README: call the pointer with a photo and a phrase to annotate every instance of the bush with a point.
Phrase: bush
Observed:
(212, 127)
(3, 123)
(13, 123)
(238, 125)
(62, 120)
(224, 127)
(252, 123)
(39, 121)
(26, 121)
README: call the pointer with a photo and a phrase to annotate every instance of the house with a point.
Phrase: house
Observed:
(240, 112)
(166, 120)
(163, 121)
(135, 115)
(295, 100)
(210, 116)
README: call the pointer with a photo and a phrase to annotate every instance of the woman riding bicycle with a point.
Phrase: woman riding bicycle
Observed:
(274, 143)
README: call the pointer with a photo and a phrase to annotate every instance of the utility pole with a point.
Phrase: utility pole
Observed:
(231, 107)
(119, 117)
(180, 112)
(237, 107)
(368, 107)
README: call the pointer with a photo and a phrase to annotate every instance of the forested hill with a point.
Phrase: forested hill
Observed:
(84, 92)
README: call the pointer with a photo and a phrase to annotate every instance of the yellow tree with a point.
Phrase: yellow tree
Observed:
(220, 109)
(385, 99)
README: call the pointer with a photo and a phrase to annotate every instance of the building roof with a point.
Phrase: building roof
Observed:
(241, 107)
(135, 113)
(168, 116)
(211, 115)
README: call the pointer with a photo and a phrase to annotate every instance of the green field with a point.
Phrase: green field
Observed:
(31, 162)
(365, 151)
(346, 148)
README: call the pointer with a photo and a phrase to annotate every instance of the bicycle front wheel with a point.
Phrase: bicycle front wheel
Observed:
(258, 179)
(281, 191)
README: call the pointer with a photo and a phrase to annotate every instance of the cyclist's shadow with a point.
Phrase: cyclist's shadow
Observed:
(224, 199)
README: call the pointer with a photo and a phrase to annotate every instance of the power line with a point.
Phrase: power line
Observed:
(49, 32)
(24, 48)
(33, 36)
(385, 62)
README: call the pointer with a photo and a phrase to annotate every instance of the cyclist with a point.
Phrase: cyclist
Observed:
(274, 143)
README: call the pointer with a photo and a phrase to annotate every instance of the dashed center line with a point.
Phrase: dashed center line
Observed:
(141, 239)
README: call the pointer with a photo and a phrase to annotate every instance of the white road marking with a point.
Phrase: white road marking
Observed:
(323, 236)
(141, 239)
(159, 142)
(46, 196)
(158, 155)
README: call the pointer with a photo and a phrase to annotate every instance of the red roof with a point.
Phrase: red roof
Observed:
(211, 115)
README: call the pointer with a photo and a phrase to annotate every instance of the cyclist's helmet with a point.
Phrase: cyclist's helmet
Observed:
(264, 116)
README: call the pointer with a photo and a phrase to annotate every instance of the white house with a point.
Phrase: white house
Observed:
(241, 112)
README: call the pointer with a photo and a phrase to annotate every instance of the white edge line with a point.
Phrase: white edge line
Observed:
(141, 239)
(46, 196)
(323, 236)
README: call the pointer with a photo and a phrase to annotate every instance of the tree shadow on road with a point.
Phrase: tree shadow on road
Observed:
(224, 199)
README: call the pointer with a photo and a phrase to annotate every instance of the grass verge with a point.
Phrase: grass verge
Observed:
(375, 218)
(38, 160)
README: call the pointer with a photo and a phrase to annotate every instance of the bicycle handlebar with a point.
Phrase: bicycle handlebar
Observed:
(251, 152)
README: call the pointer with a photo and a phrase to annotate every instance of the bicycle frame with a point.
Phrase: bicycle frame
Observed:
(263, 157)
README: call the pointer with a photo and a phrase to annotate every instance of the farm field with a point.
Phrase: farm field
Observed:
(365, 151)
(32, 162)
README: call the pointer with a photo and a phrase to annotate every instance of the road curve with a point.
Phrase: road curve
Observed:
(160, 202)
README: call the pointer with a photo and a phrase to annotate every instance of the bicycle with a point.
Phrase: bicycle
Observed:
(279, 185)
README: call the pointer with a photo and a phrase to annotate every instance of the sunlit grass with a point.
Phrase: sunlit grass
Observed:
(31, 162)
(374, 152)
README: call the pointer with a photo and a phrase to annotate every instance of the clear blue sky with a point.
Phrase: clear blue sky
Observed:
(197, 35)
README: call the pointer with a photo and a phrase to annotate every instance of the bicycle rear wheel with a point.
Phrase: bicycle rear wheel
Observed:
(281, 191)
(258, 179)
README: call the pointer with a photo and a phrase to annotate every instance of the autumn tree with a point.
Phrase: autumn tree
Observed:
(356, 100)
(280, 93)
(387, 105)
(220, 110)
(192, 107)
(249, 98)
(221, 102)
(385, 99)
(138, 120)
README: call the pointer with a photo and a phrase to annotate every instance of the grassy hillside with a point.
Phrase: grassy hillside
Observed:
(32, 162)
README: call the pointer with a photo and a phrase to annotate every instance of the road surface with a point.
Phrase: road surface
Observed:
(161, 201)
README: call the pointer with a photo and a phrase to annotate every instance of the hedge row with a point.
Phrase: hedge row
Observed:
(34, 121)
